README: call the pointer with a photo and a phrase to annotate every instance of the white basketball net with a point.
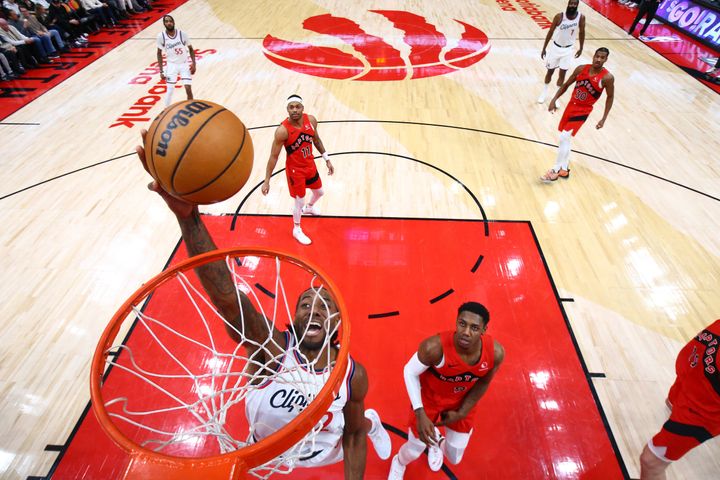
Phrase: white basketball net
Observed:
(177, 405)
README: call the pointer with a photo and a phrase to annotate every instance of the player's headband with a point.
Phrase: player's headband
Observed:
(294, 98)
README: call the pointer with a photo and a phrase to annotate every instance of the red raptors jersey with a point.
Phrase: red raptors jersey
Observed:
(445, 387)
(698, 376)
(299, 145)
(587, 87)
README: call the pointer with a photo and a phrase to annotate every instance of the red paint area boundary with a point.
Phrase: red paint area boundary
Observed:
(539, 418)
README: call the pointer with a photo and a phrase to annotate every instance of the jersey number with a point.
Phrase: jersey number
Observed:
(306, 151)
(580, 95)
(178, 51)
(327, 420)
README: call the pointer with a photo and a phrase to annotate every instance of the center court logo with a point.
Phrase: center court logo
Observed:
(374, 59)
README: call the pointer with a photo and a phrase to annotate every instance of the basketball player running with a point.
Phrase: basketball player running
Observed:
(177, 47)
(348, 423)
(298, 133)
(563, 31)
(694, 400)
(447, 376)
(590, 81)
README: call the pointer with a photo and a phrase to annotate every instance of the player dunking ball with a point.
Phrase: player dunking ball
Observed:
(447, 376)
(590, 81)
(694, 400)
(298, 133)
(343, 437)
(178, 49)
(563, 32)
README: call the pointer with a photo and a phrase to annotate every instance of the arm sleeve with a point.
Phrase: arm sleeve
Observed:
(412, 372)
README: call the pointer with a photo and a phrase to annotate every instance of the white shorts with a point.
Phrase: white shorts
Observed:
(559, 57)
(328, 451)
(175, 70)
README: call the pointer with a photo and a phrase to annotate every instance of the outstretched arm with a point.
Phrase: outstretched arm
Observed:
(476, 392)
(355, 432)
(281, 136)
(581, 35)
(555, 23)
(160, 63)
(608, 82)
(317, 141)
(429, 353)
(552, 107)
(193, 65)
(215, 277)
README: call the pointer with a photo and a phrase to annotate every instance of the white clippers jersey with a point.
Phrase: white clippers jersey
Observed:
(274, 404)
(175, 48)
(566, 33)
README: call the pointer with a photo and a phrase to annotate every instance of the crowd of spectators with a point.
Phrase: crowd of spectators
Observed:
(36, 32)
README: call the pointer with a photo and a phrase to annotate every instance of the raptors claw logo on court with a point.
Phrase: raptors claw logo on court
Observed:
(374, 58)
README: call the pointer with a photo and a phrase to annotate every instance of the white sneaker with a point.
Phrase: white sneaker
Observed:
(435, 454)
(300, 236)
(397, 471)
(380, 439)
(310, 210)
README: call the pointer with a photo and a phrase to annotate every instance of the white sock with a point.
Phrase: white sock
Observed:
(563, 156)
(170, 91)
(297, 210)
(411, 450)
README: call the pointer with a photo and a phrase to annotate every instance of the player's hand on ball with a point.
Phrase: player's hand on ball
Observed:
(425, 428)
(178, 207)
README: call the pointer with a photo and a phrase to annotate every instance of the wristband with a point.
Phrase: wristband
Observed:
(326, 157)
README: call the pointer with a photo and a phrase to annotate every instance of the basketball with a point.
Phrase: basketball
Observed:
(199, 151)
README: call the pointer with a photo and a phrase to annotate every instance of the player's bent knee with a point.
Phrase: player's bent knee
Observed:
(651, 464)
(454, 455)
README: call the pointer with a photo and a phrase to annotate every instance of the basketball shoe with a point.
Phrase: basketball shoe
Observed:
(435, 454)
(310, 210)
(562, 173)
(550, 176)
(378, 435)
(300, 236)
(397, 470)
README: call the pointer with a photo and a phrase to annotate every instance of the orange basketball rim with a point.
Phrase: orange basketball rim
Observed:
(145, 463)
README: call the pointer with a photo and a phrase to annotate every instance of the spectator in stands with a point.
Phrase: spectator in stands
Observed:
(11, 6)
(25, 46)
(33, 25)
(42, 43)
(101, 10)
(6, 73)
(66, 18)
(10, 54)
(647, 9)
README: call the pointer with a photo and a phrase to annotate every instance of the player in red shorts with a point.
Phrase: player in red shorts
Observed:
(298, 133)
(447, 376)
(694, 400)
(590, 81)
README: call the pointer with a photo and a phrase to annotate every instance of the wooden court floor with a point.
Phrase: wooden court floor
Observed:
(631, 236)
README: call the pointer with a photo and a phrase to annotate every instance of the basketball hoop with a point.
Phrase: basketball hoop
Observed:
(173, 394)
